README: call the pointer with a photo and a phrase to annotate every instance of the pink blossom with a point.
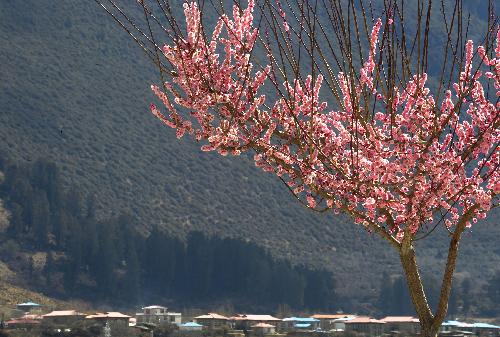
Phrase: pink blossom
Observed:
(311, 201)
(405, 166)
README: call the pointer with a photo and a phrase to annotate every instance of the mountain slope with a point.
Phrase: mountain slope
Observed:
(75, 89)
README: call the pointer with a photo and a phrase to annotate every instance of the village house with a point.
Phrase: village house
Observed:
(63, 317)
(157, 314)
(244, 321)
(338, 325)
(35, 317)
(299, 323)
(365, 325)
(476, 329)
(212, 320)
(485, 330)
(327, 321)
(22, 323)
(405, 325)
(112, 317)
(262, 329)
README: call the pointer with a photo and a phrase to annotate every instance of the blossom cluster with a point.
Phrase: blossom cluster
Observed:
(415, 162)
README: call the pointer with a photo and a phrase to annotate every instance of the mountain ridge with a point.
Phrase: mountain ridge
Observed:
(76, 90)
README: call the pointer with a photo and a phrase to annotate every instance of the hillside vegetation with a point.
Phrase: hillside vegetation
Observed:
(75, 90)
(54, 242)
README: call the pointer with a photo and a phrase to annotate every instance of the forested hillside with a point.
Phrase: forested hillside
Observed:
(75, 91)
(53, 243)
(54, 240)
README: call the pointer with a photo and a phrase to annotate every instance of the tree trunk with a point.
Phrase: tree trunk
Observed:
(417, 293)
(429, 332)
(430, 323)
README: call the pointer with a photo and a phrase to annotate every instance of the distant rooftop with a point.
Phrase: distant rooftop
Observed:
(63, 313)
(30, 316)
(262, 325)
(22, 321)
(331, 316)
(457, 324)
(400, 319)
(211, 315)
(106, 315)
(485, 326)
(29, 304)
(300, 319)
(191, 325)
(155, 307)
(245, 317)
(345, 319)
(364, 319)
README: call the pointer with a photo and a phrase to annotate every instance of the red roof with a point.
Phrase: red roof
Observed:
(364, 320)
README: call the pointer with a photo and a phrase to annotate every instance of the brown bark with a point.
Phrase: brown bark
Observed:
(450, 267)
(430, 323)
(417, 293)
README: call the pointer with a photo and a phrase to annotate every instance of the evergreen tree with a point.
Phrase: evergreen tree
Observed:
(493, 288)
(45, 176)
(453, 304)
(74, 252)
(133, 275)
(465, 288)
(153, 261)
(257, 278)
(49, 269)
(41, 218)
(402, 304)
(91, 240)
(320, 290)
(16, 227)
(73, 203)
(385, 296)
(105, 268)
(199, 263)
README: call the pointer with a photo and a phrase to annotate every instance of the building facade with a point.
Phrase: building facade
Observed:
(212, 321)
(366, 326)
(405, 325)
(157, 314)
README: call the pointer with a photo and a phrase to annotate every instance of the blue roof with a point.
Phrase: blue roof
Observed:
(457, 324)
(31, 304)
(300, 319)
(191, 325)
(485, 326)
(302, 325)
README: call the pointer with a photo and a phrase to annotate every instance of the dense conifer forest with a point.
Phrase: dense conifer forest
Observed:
(109, 261)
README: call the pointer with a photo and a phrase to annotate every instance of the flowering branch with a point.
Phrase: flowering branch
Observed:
(416, 158)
